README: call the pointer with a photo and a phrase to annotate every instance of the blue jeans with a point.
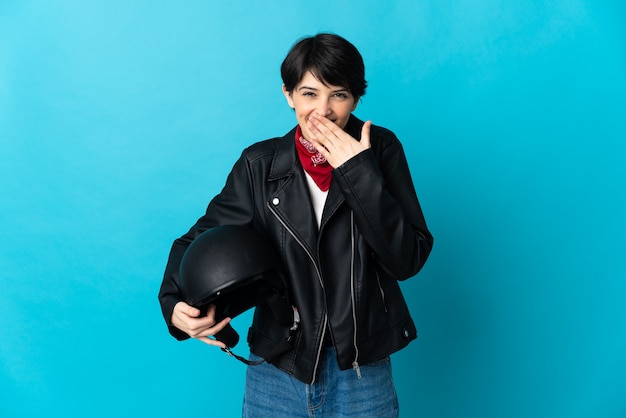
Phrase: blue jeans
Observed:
(270, 392)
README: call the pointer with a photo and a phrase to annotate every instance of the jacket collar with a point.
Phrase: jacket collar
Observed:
(284, 161)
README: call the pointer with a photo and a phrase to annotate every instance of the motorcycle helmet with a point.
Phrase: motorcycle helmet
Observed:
(234, 268)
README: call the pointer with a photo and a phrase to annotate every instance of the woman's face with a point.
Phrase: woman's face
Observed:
(310, 96)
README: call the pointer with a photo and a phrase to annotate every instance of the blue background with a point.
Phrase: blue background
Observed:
(119, 120)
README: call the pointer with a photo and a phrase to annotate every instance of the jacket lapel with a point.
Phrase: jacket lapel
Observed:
(292, 201)
(333, 201)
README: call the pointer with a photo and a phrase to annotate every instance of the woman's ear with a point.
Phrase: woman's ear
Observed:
(288, 97)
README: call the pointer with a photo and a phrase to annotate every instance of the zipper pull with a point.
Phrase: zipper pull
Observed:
(357, 369)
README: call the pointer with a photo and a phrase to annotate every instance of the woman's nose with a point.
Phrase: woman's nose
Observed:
(323, 108)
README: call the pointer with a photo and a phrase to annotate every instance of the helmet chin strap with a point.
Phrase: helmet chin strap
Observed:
(228, 335)
(241, 359)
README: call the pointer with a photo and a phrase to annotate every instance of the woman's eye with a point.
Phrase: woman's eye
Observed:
(341, 95)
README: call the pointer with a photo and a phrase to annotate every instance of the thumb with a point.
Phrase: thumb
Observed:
(365, 134)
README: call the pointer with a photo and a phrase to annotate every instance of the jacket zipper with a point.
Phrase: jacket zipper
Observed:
(382, 292)
(319, 277)
(380, 285)
(355, 363)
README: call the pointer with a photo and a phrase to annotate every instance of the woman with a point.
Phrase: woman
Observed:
(336, 198)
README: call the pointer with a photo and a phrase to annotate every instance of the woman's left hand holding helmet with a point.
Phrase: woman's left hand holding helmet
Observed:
(188, 319)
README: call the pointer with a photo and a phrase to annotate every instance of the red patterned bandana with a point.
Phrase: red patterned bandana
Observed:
(313, 162)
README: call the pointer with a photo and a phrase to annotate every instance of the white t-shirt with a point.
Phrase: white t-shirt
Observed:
(318, 198)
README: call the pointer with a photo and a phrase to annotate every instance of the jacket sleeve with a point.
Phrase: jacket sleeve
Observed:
(378, 187)
(232, 206)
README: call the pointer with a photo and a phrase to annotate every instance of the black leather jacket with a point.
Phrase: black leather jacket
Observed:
(342, 277)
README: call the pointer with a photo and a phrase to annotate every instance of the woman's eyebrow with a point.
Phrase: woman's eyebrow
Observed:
(339, 90)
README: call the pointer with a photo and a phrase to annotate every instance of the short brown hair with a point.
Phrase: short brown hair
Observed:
(330, 58)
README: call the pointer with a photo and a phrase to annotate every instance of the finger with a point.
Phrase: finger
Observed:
(210, 341)
(204, 327)
(208, 324)
(183, 308)
(365, 134)
(208, 334)
(219, 326)
(324, 121)
(323, 126)
(319, 140)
